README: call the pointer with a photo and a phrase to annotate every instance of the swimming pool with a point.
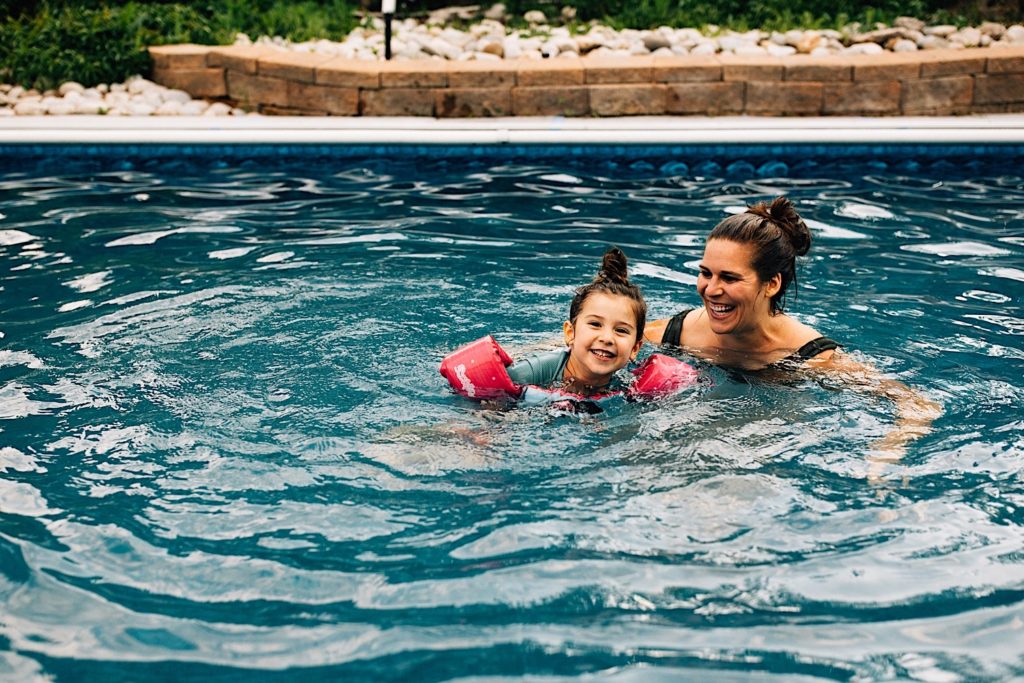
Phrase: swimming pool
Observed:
(227, 453)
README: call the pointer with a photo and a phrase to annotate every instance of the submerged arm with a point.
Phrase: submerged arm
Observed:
(914, 412)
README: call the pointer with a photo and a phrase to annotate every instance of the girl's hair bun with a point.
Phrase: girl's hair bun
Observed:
(612, 279)
(613, 267)
(781, 212)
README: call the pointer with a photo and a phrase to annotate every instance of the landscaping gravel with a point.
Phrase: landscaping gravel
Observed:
(488, 37)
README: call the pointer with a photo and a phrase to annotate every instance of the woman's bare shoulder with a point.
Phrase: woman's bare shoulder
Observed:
(797, 334)
(654, 330)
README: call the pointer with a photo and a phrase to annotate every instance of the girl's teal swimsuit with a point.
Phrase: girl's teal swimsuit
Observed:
(483, 371)
(545, 371)
(542, 370)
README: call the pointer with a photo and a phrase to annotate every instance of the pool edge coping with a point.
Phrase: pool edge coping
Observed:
(658, 130)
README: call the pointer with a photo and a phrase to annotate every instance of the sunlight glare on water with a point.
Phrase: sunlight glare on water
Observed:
(226, 452)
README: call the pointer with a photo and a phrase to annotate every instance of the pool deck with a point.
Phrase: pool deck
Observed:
(994, 129)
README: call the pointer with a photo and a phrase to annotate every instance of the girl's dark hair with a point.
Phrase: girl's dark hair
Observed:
(612, 279)
(778, 236)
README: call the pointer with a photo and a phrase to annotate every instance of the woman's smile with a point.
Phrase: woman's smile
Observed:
(733, 295)
(718, 311)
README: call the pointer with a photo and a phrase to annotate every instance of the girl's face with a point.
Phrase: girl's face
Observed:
(603, 339)
(735, 298)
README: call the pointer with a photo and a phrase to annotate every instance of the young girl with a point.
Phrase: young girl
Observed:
(603, 333)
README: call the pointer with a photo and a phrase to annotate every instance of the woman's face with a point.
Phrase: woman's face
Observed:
(735, 298)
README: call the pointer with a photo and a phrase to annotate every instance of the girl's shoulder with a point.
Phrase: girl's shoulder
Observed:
(542, 369)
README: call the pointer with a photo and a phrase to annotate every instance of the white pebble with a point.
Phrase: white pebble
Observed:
(968, 37)
(59, 108)
(140, 109)
(29, 107)
(139, 85)
(943, 30)
(179, 96)
(729, 43)
(750, 51)
(932, 43)
(116, 99)
(169, 108)
(89, 107)
(864, 49)
(6, 111)
(776, 50)
(70, 86)
(217, 109)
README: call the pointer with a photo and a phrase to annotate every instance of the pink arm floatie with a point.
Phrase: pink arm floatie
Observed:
(477, 370)
(661, 375)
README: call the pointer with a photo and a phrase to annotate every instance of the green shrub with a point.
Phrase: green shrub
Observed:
(101, 42)
(302, 20)
(92, 45)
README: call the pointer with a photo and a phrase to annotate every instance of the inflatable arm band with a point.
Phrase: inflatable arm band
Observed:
(477, 371)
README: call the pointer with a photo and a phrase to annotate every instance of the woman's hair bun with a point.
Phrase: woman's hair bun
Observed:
(780, 211)
(613, 267)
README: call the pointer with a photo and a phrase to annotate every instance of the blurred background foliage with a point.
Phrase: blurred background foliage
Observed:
(45, 42)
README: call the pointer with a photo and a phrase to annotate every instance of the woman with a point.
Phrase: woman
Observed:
(748, 266)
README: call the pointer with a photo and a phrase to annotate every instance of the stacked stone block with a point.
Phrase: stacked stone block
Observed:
(938, 82)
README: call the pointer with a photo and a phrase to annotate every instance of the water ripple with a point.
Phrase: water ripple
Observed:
(227, 452)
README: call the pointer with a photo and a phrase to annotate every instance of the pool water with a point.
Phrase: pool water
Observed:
(226, 453)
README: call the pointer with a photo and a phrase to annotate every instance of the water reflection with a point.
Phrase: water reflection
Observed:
(226, 444)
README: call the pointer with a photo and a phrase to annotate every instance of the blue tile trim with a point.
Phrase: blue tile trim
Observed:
(1002, 152)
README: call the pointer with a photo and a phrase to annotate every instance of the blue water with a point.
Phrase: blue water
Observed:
(226, 453)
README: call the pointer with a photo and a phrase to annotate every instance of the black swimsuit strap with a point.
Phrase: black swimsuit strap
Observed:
(814, 347)
(673, 333)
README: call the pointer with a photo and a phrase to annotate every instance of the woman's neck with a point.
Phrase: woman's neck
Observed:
(762, 337)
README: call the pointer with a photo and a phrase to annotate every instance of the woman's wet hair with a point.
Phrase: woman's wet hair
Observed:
(612, 279)
(778, 236)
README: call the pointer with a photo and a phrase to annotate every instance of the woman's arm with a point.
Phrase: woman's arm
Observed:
(914, 412)
(654, 330)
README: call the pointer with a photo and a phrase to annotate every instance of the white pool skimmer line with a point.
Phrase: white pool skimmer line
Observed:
(990, 129)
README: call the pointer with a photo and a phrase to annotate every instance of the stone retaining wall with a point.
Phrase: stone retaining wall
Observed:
(936, 82)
